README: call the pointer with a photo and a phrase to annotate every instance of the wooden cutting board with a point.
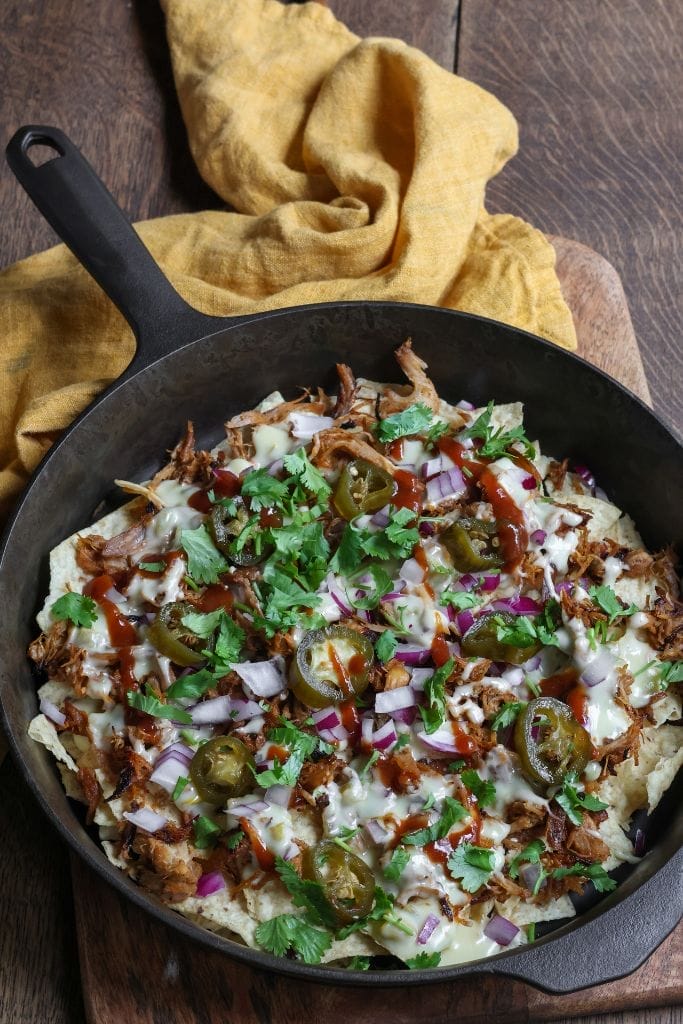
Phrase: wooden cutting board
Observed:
(136, 970)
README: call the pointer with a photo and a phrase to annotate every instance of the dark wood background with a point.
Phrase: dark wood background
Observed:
(595, 86)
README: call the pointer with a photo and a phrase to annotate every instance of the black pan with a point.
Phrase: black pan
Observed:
(189, 365)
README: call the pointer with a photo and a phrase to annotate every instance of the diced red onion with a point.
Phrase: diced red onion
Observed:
(427, 928)
(529, 483)
(432, 467)
(210, 883)
(338, 734)
(51, 711)
(442, 741)
(291, 852)
(490, 582)
(248, 809)
(466, 582)
(464, 404)
(394, 595)
(639, 843)
(262, 678)
(585, 476)
(343, 607)
(412, 655)
(275, 467)
(381, 518)
(566, 586)
(247, 470)
(463, 621)
(222, 709)
(532, 664)
(426, 529)
(243, 710)
(419, 676)
(412, 571)
(146, 819)
(326, 718)
(114, 596)
(392, 700)
(538, 537)
(450, 484)
(177, 750)
(305, 425)
(500, 930)
(377, 832)
(599, 668)
(279, 795)
(366, 726)
(520, 605)
(405, 715)
(513, 676)
(385, 737)
(529, 873)
(167, 774)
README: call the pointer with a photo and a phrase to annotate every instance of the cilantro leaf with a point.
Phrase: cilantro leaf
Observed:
(518, 633)
(205, 832)
(386, 646)
(437, 430)
(373, 594)
(307, 894)
(397, 540)
(289, 931)
(413, 420)
(203, 624)
(205, 563)
(234, 839)
(383, 910)
(298, 464)
(192, 686)
(484, 791)
(496, 442)
(422, 960)
(595, 872)
(374, 757)
(507, 714)
(77, 608)
(229, 643)
(397, 865)
(358, 963)
(151, 705)
(459, 599)
(348, 556)
(571, 800)
(453, 811)
(606, 599)
(531, 854)
(179, 787)
(264, 490)
(434, 714)
(672, 672)
(304, 743)
(456, 766)
(280, 774)
(472, 865)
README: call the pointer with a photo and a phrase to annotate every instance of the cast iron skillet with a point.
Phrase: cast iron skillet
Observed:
(189, 365)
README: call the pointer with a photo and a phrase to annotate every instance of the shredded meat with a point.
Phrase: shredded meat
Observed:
(638, 563)
(422, 390)
(404, 771)
(328, 442)
(622, 746)
(555, 831)
(665, 563)
(186, 464)
(347, 390)
(49, 648)
(665, 628)
(585, 846)
(172, 834)
(492, 700)
(586, 611)
(76, 720)
(280, 412)
(240, 448)
(230, 863)
(130, 768)
(173, 871)
(522, 814)
(100, 556)
(397, 675)
(91, 790)
(531, 570)
(557, 472)
(501, 888)
(320, 773)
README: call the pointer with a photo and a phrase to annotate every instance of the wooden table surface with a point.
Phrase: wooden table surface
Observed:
(595, 86)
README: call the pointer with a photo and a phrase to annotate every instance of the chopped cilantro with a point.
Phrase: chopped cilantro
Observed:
(374, 757)
(416, 419)
(348, 556)
(496, 442)
(203, 624)
(507, 714)
(472, 865)
(518, 633)
(402, 741)
(281, 774)
(152, 566)
(192, 686)
(429, 803)
(348, 833)
(78, 608)
(289, 931)
(672, 672)
(303, 743)
(381, 585)
(532, 686)
(572, 800)
(151, 705)
(305, 473)
(205, 832)
(459, 599)
(385, 648)
(456, 766)
(606, 599)
(234, 839)
(434, 714)
(484, 791)
(423, 960)
(531, 854)
(595, 872)
(397, 865)
(358, 963)
(453, 811)
(205, 563)
(229, 642)
(264, 490)
(179, 787)
(307, 894)
(383, 910)
(397, 540)
(531, 932)
(437, 430)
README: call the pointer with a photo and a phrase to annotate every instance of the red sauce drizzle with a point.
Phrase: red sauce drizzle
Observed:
(395, 449)
(214, 597)
(409, 491)
(339, 670)
(122, 633)
(577, 699)
(412, 823)
(559, 684)
(349, 712)
(127, 670)
(440, 652)
(224, 485)
(512, 532)
(462, 741)
(266, 860)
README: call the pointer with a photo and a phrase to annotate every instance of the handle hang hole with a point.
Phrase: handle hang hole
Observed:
(41, 151)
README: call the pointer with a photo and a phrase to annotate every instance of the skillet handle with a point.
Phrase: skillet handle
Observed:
(74, 201)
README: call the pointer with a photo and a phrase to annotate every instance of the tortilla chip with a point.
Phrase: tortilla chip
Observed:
(620, 846)
(642, 785)
(626, 533)
(635, 590)
(43, 731)
(521, 912)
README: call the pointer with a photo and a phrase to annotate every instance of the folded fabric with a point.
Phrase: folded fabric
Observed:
(357, 170)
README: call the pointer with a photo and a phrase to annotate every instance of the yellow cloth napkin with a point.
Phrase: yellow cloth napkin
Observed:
(357, 170)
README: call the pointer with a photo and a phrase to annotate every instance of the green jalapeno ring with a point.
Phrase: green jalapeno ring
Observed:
(347, 881)
(225, 529)
(362, 488)
(317, 690)
(481, 641)
(472, 544)
(172, 639)
(561, 745)
(222, 769)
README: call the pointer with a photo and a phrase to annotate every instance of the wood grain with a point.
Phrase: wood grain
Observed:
(596, 87)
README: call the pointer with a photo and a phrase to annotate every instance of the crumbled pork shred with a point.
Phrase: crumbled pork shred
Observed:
(374, 663)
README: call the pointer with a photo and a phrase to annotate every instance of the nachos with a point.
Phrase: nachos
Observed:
(373, 678)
